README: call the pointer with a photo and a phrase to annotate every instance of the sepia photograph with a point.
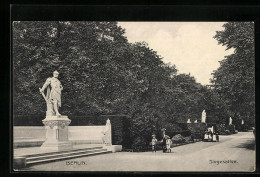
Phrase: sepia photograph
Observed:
(133, 96)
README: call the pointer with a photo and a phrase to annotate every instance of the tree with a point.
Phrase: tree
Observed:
(78, 49)
(102, 73)
(234, 80)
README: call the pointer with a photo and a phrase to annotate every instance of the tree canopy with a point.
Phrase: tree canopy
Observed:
(102, 73)
(234, 80)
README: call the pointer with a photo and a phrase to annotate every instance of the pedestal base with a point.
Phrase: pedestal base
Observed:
(57, 146)
(56, 134)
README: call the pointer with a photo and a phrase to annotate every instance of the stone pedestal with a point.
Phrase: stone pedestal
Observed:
(56, 134)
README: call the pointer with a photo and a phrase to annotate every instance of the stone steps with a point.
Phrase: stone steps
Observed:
(63, 155)
(65, 151)
(50, 156)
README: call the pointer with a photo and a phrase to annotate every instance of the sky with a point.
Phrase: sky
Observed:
(188, 45)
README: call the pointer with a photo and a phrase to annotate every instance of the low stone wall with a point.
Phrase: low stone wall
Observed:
(28, 132)
(77, 134)
(86, 134)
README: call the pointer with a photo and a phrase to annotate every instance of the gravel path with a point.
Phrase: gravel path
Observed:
(233, 153)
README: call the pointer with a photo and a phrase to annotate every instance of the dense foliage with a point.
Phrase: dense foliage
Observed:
(102, 73)
(234, 80)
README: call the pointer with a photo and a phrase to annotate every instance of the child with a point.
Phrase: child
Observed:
(168, 144)
(217, 137)
(154, 141)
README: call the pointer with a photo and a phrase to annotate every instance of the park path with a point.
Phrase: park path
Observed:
(233, 153)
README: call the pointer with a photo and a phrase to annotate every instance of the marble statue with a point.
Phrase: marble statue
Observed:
(107, 133)
(188, 121)
(203, 116)
(242, 122)
(230, 121)
(196, 121)
(53, 95)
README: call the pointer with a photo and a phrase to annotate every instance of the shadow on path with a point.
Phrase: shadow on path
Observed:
(249, 144)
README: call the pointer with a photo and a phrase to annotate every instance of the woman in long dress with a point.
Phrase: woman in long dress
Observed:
(164, 143)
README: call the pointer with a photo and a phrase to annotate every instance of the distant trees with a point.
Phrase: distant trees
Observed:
(234, 80)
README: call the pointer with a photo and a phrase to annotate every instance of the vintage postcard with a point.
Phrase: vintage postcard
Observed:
(133, 96)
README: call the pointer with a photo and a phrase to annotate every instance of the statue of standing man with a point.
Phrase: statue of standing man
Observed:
(53, 95)
(203, 116)
(230, 121)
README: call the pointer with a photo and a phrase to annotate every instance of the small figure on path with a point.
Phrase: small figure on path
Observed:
(53, 96)
(206, 136)
(210, 135)
(154, 141)
(217, 137)
(214, 138)
(168, 144)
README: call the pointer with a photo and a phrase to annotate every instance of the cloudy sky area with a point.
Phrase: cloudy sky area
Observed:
(188, 45)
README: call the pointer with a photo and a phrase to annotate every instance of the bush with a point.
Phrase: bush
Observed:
(197, 136)
(171, 129)
(227, 132)
(188, 139)
(231, 129)
(184, 133)
(221, 129)
(178, 139)
(139, 144)
(197, 127)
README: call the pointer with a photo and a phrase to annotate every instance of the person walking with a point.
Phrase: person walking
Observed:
(164, 139)
(164, 143)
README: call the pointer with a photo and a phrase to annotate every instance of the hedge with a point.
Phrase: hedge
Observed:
(197, 128)
(221, 129)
